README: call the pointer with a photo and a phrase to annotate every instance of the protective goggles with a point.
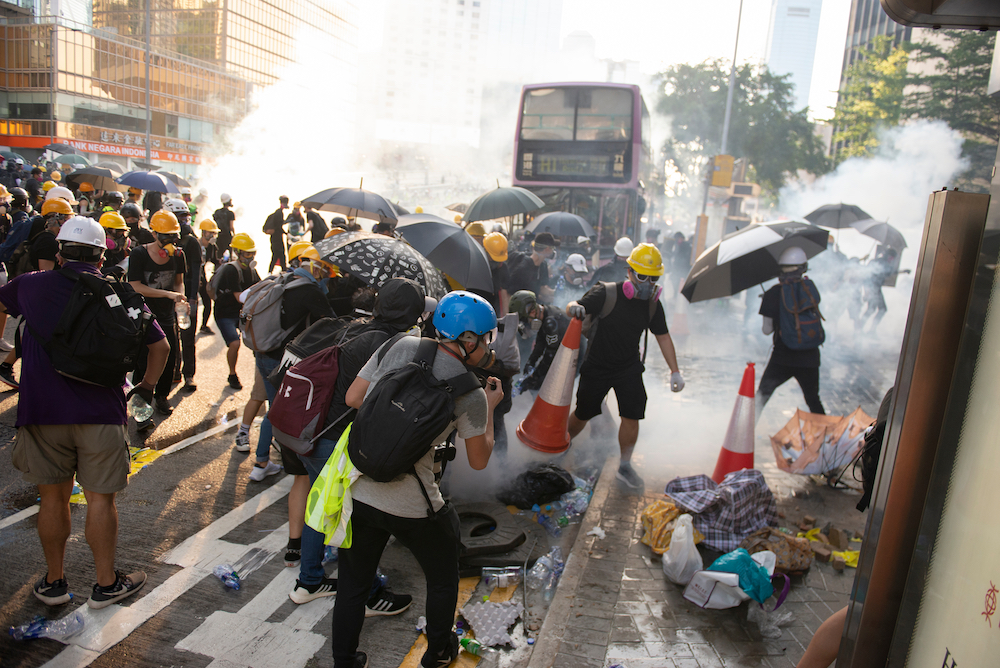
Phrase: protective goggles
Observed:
(645, 278)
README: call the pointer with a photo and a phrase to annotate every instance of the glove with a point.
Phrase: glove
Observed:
(144, 393)
(577, 311)
(676, 381)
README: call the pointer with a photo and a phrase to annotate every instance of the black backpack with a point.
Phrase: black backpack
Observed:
(402, 415)
(100, 332)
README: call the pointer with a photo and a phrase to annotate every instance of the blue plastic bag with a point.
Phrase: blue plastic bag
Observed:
(754, 578)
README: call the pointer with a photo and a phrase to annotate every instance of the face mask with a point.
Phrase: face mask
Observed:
(3, 209)
(535, 324)
(169, 249)
(111, 243)
(576, 281)
(644, 290)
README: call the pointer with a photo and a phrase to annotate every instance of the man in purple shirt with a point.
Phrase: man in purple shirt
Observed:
(85, 436)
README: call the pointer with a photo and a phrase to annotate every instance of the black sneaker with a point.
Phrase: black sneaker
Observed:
(205, 329)
(124, 586)
(628, 476)
(145, 425)
(234, 382)
(385, 603)
(162, 405)
(293, 556)
(304, 593)
(360, 660)
(52, 593)
(189, 385)
(443, 658)
(7, 375)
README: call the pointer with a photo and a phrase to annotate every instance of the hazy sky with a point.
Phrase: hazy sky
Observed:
(658, 33)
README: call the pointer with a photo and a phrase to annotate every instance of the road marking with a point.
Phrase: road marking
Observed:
(18, 516)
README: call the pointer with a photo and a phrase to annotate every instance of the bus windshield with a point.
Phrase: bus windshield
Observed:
(577, 113)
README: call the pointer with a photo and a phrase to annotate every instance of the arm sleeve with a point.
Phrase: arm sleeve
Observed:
(593, 301)
(136, 264)
(769, 304)
(658, 325)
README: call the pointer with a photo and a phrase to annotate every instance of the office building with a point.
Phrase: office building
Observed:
(868, 21)
(791, 43)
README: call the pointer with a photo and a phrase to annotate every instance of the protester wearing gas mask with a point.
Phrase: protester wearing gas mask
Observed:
(549, 325)
(531, 271)
(622, 313)
(119, 244)
(156, 271)
(572, 281)
(230, 280)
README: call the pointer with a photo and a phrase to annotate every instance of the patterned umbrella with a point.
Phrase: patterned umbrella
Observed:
(449, 248)
(374, 259)
(502, 203)
(749, 257)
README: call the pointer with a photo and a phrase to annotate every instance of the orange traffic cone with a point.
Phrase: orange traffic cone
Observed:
(544, 428)
(737, 449)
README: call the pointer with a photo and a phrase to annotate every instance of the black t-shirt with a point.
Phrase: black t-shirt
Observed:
(44, 247)
(770, 307)
(274, 227)
(224, 218)
(192, 273)
(615, 345)
(319, 226)
(235, 280)
(142, 268)
(524, 275)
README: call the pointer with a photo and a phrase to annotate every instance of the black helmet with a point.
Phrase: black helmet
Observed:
(115, 195)
(19, 198)
(130, 210)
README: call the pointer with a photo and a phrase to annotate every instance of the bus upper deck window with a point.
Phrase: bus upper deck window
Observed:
(607, 115)
(546, 115)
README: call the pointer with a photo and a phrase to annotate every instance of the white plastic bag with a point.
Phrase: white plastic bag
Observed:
(682, 560)
(718, 590)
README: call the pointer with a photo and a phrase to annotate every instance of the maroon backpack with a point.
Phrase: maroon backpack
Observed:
(299, 409)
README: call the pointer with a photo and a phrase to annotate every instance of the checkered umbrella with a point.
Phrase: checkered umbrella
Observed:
(749, 257)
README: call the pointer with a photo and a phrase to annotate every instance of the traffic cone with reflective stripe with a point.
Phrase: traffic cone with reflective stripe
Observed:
(544, 428)
(737, 449)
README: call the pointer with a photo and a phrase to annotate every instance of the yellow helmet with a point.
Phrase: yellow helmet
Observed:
(132, 190)
(495, 244)
(295, 250)
(48, 185)
(419, 209)
(208, 225)
(458, 219)
(333, 232)
(297, 205)
(56, 176)
(476, 229)
(56, 205)
(113, 220)
(165, 222)
(242, 242)
(3, 191)
(645, 259)
(310, 253)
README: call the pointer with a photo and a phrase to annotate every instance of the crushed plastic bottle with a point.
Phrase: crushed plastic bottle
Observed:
(228, 576)
(550, 524)
(516, 387)
(476, 648)
(507, 576)
(539, 573)
(330, 554)
(57, 629)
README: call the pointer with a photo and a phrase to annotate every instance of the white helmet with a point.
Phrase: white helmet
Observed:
(226, 198)
(177, 206)
(83, 230)
(185, 190)
(584, 240)
(61, 192)
(578, 262)
(792, 256)
(623, 247)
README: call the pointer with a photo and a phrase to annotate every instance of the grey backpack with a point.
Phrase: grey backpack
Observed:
(260, 319)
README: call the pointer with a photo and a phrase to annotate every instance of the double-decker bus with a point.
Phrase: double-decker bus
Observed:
(584, 148)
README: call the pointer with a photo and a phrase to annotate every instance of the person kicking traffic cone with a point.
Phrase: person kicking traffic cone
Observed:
(545, 427)
(737, 448)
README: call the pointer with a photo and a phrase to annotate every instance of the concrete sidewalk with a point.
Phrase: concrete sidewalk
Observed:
(614, 606)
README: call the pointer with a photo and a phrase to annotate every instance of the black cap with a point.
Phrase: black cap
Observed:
(283, 199)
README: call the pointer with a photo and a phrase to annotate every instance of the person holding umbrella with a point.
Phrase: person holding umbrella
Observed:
(793, 356)
(613, 359)
(274, 227)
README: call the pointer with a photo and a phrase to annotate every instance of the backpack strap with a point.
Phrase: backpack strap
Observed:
(610, 299)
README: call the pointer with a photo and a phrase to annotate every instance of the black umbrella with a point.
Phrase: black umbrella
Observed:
(375, 259)
(59, 148)
(561, 224)
(400, 209)
(749, 257)
(449, 248)
(178, 180)
(353, 202)
(502, 203)
(457, 207)
(11, 155)
(101, 178)
(146, 165)
(882, 232)
(836, 216)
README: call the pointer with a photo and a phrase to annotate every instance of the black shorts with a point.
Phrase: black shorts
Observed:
(291, 461)
(628, 387)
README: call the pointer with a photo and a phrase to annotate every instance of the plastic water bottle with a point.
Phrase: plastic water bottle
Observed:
(57, 629)
(539, 573)
(330, 554)
(516, 387)
(183, 311)
(476, 648)
(550, 524)
(507, 576)
(228, 576)
(139, 409)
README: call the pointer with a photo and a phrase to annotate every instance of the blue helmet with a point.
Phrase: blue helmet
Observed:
(460, 311)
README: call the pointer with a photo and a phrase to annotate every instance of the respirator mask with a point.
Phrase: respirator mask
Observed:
(642, 287)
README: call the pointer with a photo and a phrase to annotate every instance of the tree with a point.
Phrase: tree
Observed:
(776, 139)
(871, 98)
(954, 91)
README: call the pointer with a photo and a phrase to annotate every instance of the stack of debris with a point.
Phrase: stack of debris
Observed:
(831, 545)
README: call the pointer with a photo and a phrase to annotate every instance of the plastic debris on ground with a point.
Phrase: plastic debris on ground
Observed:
(599, 532)
(228, 575)
(492, 620)
(542, 484)
(545, 573)
(421, 623)
(659, 519)
(502, 576)
(769, 623)
(57, 629)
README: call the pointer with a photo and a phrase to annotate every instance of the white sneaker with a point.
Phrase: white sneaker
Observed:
(242, 442)
(258, 473)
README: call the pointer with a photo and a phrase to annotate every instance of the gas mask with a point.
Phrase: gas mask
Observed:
(640, 289)
(248, 261)
(576, 280)
(167, 242)
(3, 209)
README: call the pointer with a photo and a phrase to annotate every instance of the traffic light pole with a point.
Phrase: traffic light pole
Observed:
(732, 85)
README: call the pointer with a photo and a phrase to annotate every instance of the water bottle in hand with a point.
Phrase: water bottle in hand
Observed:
(183, 311)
